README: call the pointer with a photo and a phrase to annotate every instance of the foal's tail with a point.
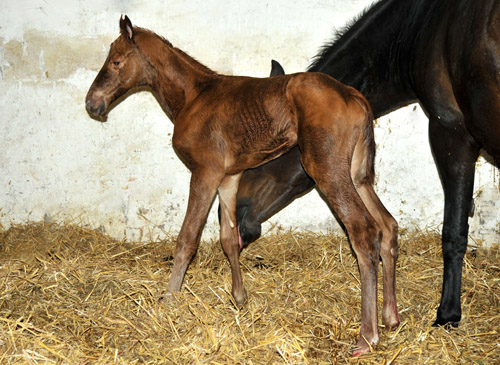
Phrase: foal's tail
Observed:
(366, 141)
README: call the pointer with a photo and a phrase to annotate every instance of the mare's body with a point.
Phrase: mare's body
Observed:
(224, 125)
(445, 54)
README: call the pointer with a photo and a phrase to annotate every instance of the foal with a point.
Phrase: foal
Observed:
(224, 125)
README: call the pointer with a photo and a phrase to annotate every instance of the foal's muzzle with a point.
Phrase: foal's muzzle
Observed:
(96, 109)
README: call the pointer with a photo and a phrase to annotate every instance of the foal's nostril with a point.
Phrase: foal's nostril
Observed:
(94, 108)
(88, 105)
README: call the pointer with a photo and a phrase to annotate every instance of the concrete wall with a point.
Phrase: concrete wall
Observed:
(123, 176)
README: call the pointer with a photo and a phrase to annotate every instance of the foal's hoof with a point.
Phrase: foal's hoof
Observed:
(392, 324)
(393, 327)
(360, 350)
(166, 297)
(240, 300)
(362, 347)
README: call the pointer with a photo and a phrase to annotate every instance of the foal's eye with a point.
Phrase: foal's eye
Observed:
(116, 63)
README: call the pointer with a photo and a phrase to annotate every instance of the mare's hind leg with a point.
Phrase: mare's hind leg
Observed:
(202, 191)
(328, 164)
(388, 251)
(229, 233)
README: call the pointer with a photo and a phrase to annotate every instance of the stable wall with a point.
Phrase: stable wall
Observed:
(58, 164)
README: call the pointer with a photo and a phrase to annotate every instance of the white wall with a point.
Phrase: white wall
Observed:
(123, 176)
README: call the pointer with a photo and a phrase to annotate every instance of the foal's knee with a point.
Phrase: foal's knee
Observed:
(184, 254)
(187, 245)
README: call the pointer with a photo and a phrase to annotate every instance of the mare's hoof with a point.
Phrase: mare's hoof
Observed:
(447, 325)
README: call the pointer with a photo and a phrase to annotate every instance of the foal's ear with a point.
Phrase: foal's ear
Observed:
(276, 69)
(126, 27)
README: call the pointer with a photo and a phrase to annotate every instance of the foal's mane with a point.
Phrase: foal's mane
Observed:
(192, 61)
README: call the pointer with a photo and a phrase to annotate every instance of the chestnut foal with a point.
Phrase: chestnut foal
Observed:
(224, 125)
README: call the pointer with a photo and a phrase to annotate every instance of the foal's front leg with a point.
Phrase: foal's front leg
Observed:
(202, 191)
(229, 233)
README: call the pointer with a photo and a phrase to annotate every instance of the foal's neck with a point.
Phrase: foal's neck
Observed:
(176, 78)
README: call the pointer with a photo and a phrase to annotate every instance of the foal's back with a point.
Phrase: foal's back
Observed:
(250, 121)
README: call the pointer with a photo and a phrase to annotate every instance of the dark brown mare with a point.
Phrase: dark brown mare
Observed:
(445, 54)
(226, 124)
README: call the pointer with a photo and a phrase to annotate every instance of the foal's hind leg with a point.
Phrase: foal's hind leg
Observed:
(362, 176)
(329, 165)
(388, 251)
(229, 233)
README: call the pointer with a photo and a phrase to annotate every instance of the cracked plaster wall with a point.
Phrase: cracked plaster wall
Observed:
(123, 176)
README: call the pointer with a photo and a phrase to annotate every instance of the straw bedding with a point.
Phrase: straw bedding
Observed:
(74, 295)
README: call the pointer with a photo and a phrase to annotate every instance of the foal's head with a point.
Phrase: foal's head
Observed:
(123, 70)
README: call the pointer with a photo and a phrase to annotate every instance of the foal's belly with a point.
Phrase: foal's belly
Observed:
(244, 160)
